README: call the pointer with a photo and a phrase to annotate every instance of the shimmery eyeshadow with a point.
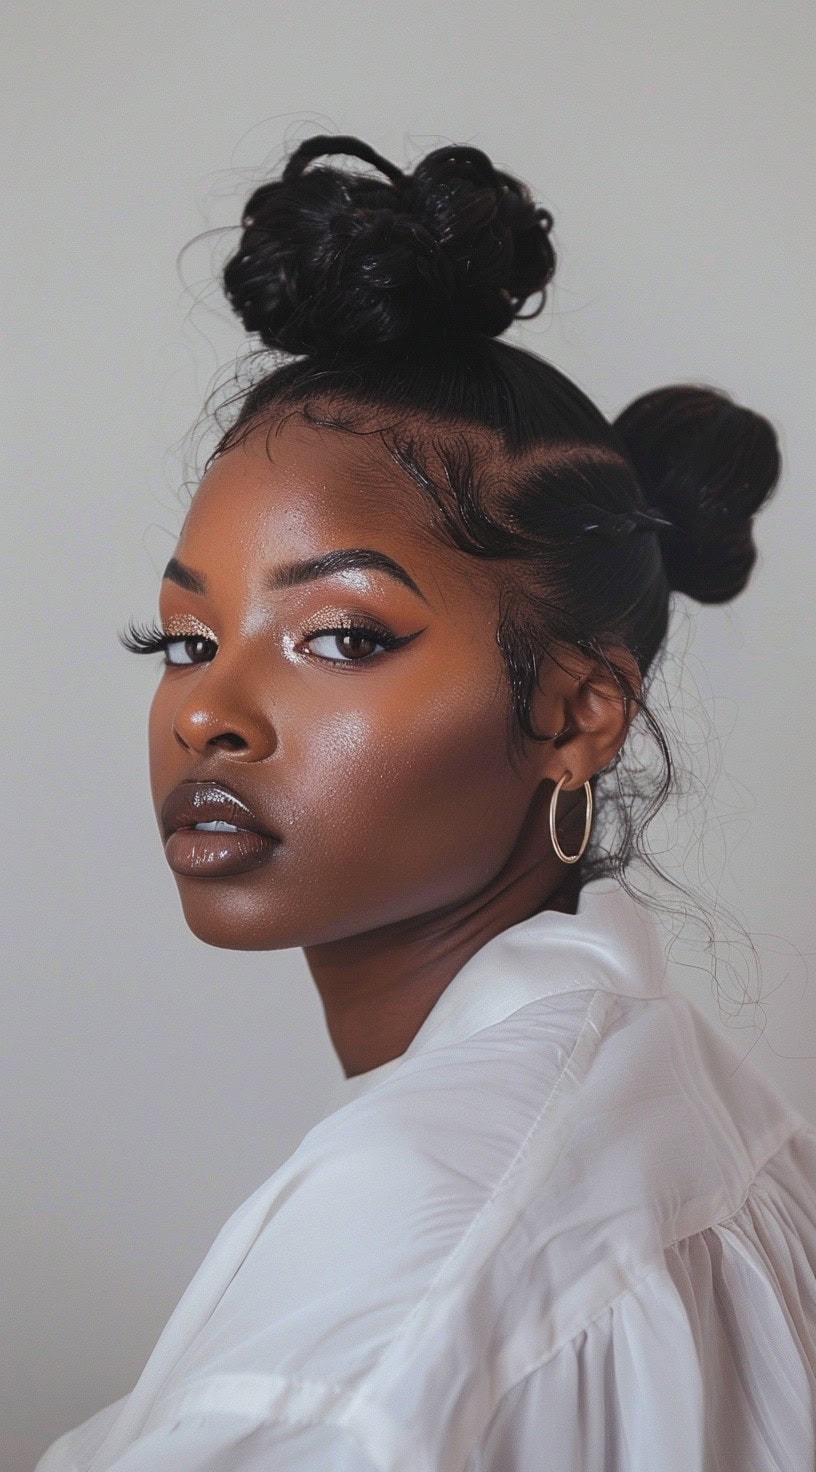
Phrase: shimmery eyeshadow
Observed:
(186, 623)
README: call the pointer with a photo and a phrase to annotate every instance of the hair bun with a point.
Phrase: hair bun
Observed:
(709, 465)
(331, 259)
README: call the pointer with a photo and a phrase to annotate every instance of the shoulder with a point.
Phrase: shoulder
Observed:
(579, 1110)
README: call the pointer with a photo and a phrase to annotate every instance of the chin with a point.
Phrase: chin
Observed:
(221, 915)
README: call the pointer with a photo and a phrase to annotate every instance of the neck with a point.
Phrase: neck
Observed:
(378, 988)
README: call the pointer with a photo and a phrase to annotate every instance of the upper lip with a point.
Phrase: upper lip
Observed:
(194, 802)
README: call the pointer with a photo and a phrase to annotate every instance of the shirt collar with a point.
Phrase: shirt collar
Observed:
(612, 942)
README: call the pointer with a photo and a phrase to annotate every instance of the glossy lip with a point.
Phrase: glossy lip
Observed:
(208, 855)
(194, 802)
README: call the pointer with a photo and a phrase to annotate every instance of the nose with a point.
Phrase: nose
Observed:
(213, 715)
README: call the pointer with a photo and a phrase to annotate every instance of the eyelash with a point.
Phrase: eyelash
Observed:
(151, 639)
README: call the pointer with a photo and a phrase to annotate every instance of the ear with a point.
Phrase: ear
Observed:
(579, 702)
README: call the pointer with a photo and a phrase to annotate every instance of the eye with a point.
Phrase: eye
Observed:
(153, 640)
(185, 642)
(356, 634)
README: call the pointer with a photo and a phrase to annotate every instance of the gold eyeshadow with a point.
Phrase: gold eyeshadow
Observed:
(180, 624)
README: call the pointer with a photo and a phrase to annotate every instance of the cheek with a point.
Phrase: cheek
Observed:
(427, 788)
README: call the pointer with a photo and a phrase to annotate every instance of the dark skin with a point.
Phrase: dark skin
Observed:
(408, 837)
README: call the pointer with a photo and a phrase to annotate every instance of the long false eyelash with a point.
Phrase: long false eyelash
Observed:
(144, 638)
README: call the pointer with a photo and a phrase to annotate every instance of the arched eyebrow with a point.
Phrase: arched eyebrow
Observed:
(307, 570)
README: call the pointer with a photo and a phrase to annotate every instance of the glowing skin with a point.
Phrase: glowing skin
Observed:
(408, 838)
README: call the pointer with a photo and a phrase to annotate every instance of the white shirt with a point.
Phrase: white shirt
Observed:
(566, 1229)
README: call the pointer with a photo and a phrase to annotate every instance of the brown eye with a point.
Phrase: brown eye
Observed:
(192, 644)
(355, 635)
(353, 643)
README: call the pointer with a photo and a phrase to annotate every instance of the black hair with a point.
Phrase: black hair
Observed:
(385, 297)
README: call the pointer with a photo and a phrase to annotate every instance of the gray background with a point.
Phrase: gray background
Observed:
(153, 1082)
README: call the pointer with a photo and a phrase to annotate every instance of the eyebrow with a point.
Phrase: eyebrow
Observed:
(307, 570)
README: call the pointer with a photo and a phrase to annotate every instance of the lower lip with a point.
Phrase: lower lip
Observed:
(203, 854)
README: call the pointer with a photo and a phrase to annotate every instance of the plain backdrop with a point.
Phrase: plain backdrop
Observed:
(150, 1082)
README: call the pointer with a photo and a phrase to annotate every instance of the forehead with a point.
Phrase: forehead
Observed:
(296, 489)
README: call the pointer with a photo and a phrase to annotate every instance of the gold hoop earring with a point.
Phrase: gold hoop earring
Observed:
(570, 858)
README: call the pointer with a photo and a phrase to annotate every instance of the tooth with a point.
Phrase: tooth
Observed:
(217, 826)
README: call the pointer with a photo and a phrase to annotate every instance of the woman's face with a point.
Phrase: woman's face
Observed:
(383, 772)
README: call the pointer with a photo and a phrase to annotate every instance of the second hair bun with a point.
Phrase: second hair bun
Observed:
(330, 259)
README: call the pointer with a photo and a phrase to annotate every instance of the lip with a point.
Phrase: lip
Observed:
(203, 854)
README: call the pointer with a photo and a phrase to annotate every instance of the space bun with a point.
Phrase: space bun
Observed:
(332, 260)
(708, 465)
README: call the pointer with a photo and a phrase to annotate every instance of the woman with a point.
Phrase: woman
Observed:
(408, 625)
